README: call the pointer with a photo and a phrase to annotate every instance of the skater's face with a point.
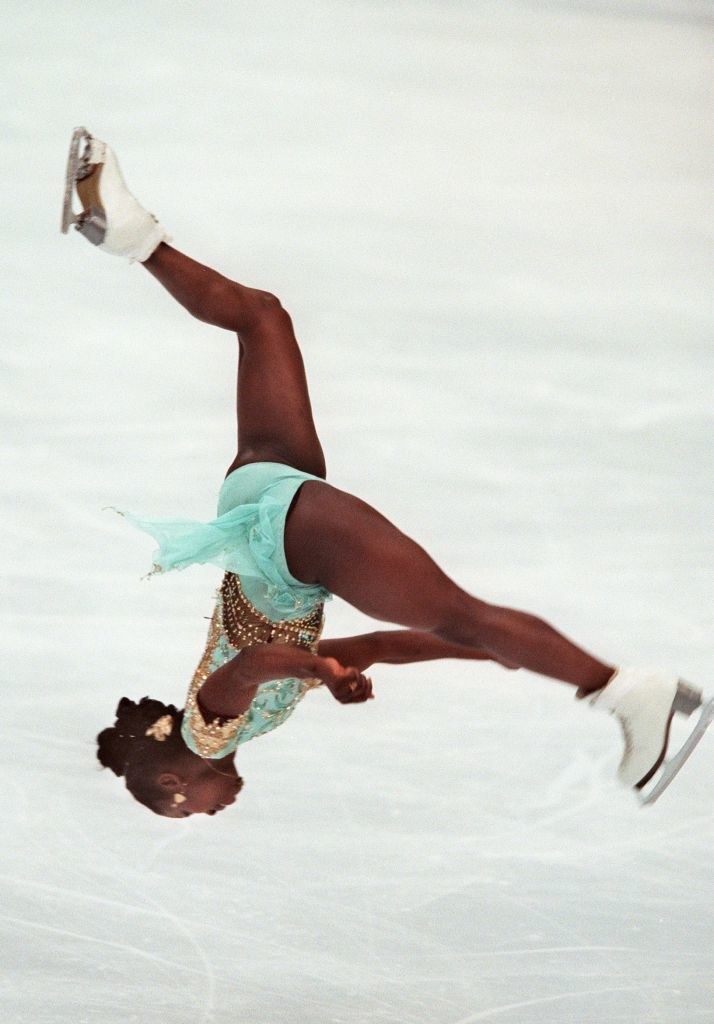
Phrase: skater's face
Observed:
(200, 786)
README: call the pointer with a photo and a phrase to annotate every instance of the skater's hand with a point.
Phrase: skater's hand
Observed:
(347, 685)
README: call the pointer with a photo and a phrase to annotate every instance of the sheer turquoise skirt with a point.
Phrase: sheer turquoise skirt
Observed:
(246, 537)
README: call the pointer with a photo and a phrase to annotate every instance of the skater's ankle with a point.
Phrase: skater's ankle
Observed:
(598, 682)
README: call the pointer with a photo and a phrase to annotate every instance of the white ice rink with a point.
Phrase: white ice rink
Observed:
(491, 222)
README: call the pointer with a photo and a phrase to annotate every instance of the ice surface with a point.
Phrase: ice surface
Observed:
(492, 225)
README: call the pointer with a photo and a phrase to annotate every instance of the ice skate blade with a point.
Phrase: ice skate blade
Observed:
(93, 225)
(673, 765)
(75, 163)
(687, 699)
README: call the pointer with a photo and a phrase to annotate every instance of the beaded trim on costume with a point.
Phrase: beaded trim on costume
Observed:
(236, 623)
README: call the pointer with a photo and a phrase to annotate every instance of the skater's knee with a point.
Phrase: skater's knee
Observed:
(463, 620)
(472, 622)
(490, 626)
(266, 302)
(263, 307)
(228, 304)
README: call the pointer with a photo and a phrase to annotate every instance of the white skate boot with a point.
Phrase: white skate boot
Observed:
(644, 702)
(110, 218)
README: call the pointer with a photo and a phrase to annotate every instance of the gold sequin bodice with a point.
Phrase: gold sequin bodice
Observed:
(246, 626)
(235, 624)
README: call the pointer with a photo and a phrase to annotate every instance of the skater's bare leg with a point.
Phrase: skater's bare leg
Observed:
(334, 539)
(275, 421)
(331, 537)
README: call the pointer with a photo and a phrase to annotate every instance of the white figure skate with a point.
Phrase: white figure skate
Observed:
(645, 702)
(111, 218)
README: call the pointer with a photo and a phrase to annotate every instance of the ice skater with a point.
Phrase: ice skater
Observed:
(287, 540)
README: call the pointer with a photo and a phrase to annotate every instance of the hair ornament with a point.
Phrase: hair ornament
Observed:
(161, 728)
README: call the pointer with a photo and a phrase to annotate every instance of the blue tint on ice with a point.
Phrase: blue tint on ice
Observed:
(492, 224)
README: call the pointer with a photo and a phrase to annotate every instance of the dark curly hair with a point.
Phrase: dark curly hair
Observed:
(133, 752)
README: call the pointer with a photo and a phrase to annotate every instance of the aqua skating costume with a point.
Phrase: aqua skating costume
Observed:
(259, 601)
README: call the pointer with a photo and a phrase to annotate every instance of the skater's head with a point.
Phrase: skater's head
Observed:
(145, 747)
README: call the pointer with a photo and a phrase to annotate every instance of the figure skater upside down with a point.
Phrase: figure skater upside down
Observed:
(287, 540)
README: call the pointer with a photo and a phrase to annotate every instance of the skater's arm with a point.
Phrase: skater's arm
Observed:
(396, 647)
(229, 690)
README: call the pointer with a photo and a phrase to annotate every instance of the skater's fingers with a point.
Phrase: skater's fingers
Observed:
(354, 689)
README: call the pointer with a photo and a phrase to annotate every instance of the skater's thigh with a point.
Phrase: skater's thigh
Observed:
(275, 421)
(339, 541)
